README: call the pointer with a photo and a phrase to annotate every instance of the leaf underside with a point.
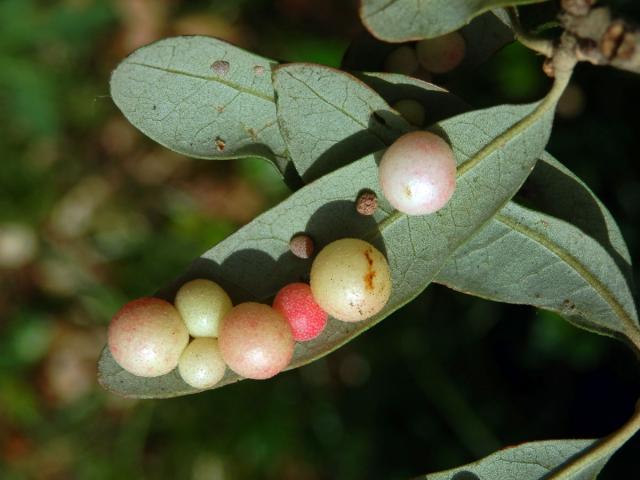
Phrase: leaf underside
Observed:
(528, 257)
(501, 139)
(555, 246)
(528, 461)
(201, 97)
(576, 264)
(405, 20)
(323, 114)
(484, 36)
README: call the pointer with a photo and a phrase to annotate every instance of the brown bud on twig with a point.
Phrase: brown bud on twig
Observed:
(602, 39)
(612, 39)
(367, 203)
(302, 245)
(548, 68)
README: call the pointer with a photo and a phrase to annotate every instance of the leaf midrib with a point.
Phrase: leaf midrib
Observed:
(380, 9)
(341, 110)
(248, 91)
(548, 102)
(490, 148)
(575, 264)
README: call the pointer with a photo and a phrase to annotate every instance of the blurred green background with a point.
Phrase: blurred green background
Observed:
(93, 214)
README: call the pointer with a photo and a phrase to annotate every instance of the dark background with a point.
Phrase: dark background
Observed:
(93, 214)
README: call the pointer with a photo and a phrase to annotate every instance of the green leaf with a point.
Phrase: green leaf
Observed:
(484, 36)
(528, 257)
(546, 460)
(503, 16)
(527, 461)
(201, 97)
(404, 20)
(553, 189)
(553, 186)
(255, 262)
(438, 103)
(328, 118)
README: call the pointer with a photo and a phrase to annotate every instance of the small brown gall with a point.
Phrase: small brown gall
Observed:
(367, 203)
(301, 245)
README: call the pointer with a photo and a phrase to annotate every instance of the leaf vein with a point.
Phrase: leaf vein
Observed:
(248, 91)
(628, 321)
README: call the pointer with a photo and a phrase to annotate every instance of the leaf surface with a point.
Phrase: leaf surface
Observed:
(404, 20)
(255, 262)
(504, 267)
(329, 118)
(201, 97)
(439, 104)
(484, 36)
(529, 257)
(528, 461)
(555, 190)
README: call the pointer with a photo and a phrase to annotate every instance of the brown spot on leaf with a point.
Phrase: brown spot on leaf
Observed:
(221, 67)
(220, 144)
(258, 70)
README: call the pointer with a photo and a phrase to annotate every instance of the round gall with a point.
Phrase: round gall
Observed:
(417, 173)
(201, 364)
(351, 280)
(147, 336)
(296, 304)
(255, 341)
(441, 54)
(202, 304)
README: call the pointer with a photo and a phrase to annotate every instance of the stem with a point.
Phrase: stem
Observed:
(564, 71)
(601, 449)
(540, 45)
(633, 336)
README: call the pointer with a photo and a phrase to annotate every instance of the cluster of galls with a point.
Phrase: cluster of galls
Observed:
(149, 337)
(349, 279)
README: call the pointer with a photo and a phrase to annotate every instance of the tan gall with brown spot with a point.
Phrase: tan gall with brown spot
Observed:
(351, 280)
